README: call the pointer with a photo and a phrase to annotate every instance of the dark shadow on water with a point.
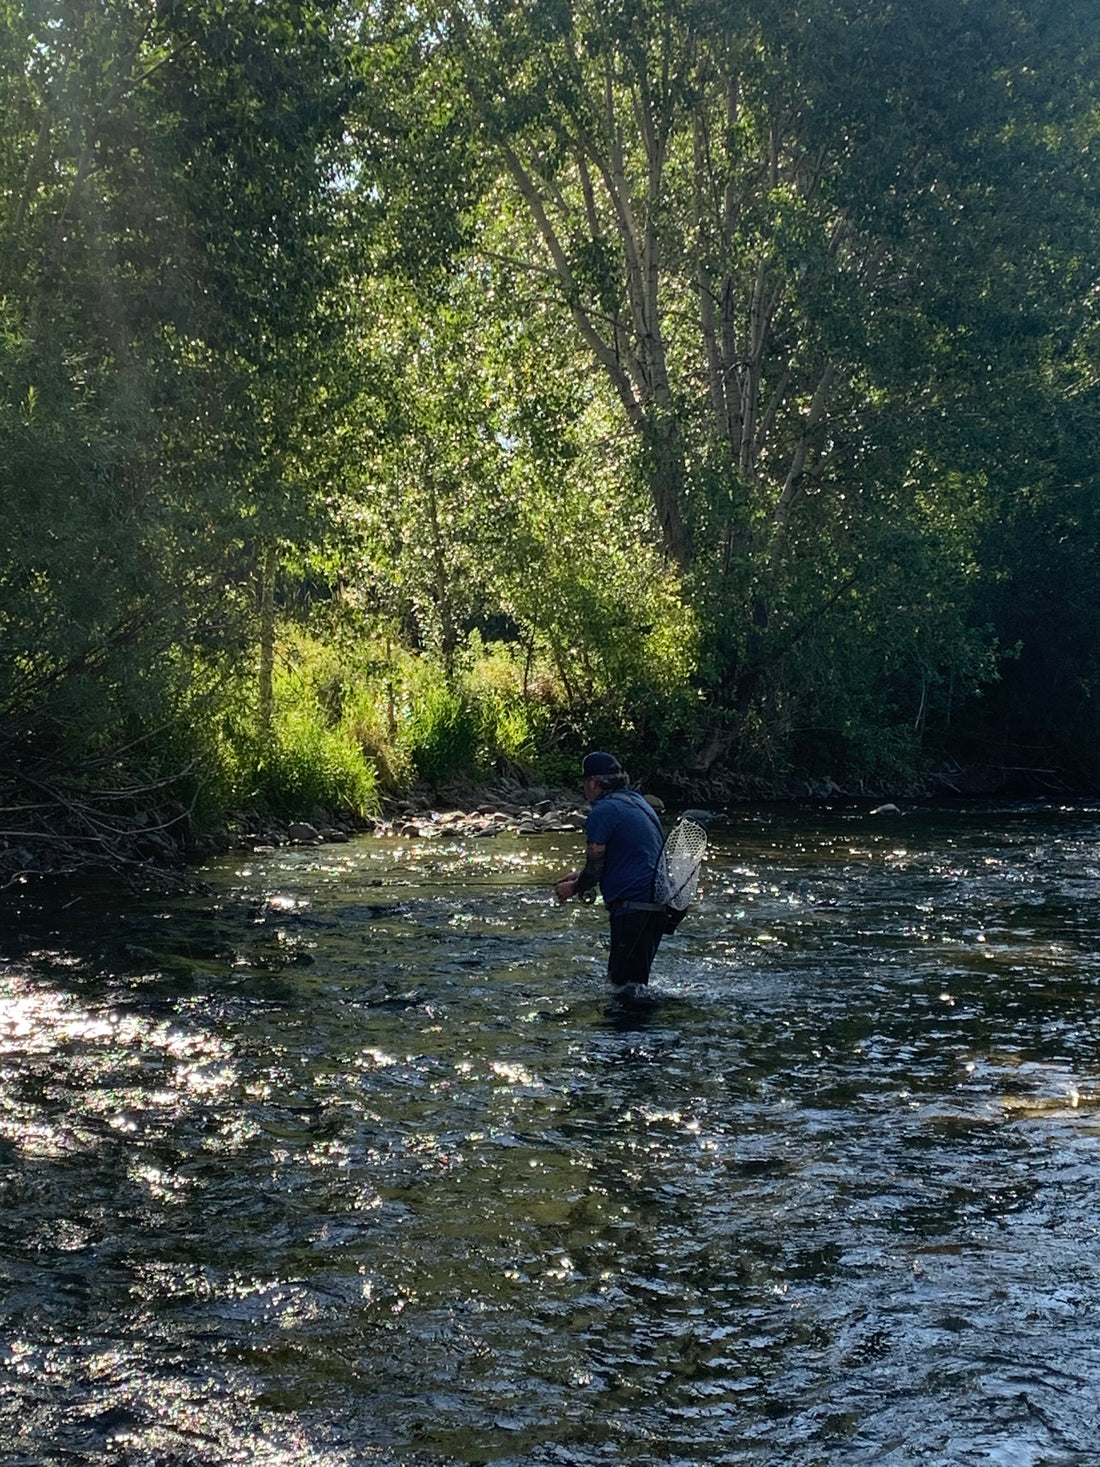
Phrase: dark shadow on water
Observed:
(641, 1008)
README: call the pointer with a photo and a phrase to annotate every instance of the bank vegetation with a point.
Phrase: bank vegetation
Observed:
(411, 394)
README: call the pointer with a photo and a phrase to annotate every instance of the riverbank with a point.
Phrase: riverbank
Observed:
(427, 812)
(170, 838)
(471, 810)
(167, 837)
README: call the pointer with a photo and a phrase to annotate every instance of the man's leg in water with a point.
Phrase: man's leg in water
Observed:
(635, 938)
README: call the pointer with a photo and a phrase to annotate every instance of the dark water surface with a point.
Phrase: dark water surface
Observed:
(342, 1158)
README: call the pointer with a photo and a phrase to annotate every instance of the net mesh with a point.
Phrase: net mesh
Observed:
(678, 873)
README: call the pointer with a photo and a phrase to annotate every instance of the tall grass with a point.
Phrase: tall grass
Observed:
(308, 768)
(313, 762)
(353, 724)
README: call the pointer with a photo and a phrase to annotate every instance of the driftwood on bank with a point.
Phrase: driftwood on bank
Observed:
(52, 826)
(62, 826)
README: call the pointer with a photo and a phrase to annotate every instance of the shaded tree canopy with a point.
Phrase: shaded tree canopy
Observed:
(797, 244)
(715, 377)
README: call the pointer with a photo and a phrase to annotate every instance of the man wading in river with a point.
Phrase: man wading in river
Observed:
(624, 840)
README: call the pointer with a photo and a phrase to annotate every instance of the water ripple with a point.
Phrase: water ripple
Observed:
(343, 1158)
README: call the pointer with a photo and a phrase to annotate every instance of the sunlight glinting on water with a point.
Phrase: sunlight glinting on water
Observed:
(87, 1047)
(344, 1159)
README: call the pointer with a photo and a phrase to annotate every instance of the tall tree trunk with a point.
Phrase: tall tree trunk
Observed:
(638, 373)
(663, 461)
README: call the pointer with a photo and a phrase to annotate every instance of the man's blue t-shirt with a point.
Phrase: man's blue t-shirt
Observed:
(628, 826)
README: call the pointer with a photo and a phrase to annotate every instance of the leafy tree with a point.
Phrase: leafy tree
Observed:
(795, 243)
(492, 510)
(169, 224)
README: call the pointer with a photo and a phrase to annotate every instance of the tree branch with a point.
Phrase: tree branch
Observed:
(798, 461)
(606, 355)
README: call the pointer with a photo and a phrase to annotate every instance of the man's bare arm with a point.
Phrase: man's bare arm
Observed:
(581, 881)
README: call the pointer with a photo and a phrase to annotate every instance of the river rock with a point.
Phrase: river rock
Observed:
(302, 833)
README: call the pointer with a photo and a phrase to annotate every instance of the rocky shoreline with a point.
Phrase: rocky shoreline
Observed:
(167, 838)
(458, 812)
(474, 811)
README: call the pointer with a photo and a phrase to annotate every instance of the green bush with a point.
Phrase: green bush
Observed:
(313, 759)
(442, 731)
(310, 767)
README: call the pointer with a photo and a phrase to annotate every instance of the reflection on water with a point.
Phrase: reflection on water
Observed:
(343, 1158)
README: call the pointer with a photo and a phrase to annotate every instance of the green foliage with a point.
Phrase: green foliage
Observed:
(501, 509)
(166, 351)
(514, 720)
(308, 767)
(441, 731)
(477, 722)
(794, 243)
(702, 381)
(1044, 599)
(315, 758)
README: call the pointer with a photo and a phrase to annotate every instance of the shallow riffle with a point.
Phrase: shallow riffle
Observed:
(341, 1156)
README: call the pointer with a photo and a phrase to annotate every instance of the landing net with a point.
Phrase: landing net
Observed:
(678, 872)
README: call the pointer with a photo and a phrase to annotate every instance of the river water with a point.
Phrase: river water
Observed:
(341, 1157)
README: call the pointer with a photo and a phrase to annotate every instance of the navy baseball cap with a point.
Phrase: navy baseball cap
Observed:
(598, 763)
